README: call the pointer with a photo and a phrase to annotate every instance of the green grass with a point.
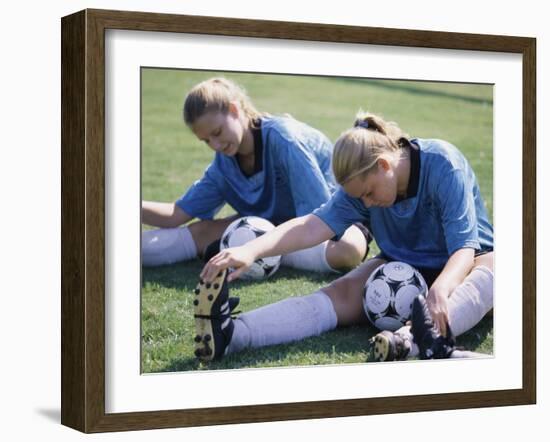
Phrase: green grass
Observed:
(172, 158)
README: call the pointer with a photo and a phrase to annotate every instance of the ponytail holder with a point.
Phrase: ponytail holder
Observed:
(362, 123)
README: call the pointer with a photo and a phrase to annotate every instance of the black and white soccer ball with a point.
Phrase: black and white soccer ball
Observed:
(389, 294)
(246, 229)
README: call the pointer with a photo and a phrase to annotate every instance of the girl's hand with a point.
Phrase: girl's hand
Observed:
(458, 266)
(239, 258)
(437, 303)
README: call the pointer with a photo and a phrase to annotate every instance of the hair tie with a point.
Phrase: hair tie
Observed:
(362, 123)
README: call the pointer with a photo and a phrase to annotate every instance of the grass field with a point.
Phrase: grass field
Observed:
(172, 159)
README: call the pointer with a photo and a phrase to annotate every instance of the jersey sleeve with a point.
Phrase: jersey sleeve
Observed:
(341, 212)
(307, 183)
(457, 209)
(203, 199)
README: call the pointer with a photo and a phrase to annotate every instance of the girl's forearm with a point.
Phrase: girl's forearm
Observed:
(457, 268)
(162, 214)
(295, 234)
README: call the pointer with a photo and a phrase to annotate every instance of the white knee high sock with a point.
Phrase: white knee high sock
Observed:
(167, 246)
(285, 321)
(313, 259)
(467, 305)
(471, 300)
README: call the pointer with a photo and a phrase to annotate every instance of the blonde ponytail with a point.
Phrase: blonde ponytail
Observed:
(357, 150)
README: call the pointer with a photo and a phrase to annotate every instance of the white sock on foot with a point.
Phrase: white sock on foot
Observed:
(167, 246)
(313, 259)
(471, 300)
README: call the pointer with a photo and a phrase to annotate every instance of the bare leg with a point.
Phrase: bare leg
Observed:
(348, 252)
(296, 318)
(205, 232)
(487, 260)
(346, 293)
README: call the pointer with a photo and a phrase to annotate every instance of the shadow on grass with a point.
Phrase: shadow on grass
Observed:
(180, 276)
(416, 90)
(344, 345)
(336, 347)
(477, 336)
(185, 276)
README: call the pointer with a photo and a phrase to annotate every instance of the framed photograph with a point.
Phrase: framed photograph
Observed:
(128, 360)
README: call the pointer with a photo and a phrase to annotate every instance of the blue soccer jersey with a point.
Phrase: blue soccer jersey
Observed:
(294, 178)
(445, 213)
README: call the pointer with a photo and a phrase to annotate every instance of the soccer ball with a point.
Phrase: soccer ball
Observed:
(246, 229)
(389, 294)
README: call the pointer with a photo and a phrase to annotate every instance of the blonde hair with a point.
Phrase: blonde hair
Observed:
(357, 150)
(215, 95)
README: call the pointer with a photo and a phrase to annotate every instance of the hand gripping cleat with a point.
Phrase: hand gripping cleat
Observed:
(431, 343)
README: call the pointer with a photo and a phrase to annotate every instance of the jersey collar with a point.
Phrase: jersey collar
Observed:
(414, 177)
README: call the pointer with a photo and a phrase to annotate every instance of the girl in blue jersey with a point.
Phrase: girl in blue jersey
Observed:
(421, 201)
(273, 167)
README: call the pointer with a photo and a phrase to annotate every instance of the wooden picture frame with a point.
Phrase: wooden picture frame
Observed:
(83, 220)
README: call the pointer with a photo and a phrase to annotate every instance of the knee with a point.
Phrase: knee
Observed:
(486, 260)
(204, 232)
(201, 232)
(200, 228)
(345, 254)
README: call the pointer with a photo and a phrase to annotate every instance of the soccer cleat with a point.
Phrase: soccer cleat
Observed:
(233, 303)
(212, 250)
(431, 343)
(388, 346)
(213, 323)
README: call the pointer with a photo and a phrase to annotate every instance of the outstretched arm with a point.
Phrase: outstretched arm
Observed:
(296, 234)
(163, 214)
